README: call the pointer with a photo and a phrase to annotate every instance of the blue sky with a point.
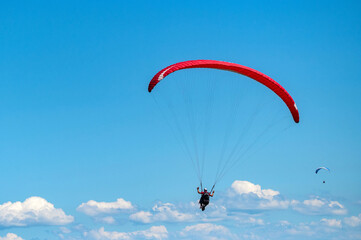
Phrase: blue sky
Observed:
(79, 129)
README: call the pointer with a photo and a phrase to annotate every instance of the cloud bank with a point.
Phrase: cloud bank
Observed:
(241, 212)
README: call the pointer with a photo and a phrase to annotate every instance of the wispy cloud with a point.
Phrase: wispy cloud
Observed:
(331, 222)
(33, 211)
(300, 229)
(142, 216)
(252, 220)
(162, 212)
(353, 221)
(154, 232)
(319, 206)
(206, 231)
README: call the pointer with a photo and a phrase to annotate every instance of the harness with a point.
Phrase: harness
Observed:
(205, 196)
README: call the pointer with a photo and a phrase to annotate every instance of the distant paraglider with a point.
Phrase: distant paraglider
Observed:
(318, 169)
(324, 168)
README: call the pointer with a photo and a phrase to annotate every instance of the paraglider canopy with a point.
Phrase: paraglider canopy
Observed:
(325, 168)
(233, 67)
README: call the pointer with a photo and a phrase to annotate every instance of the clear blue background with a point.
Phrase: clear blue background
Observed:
(77, 122)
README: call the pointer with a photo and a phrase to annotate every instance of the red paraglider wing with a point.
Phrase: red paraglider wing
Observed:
(233, 67)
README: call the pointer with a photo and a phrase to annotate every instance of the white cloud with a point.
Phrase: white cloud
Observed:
(353, 221)
(206, 228)
(101, 234)
(155, 232)
(163, 212)
(274, 204)
(245, 187)
(251, 236)
(331, 222)
(314, 203)
(323, 229)
(244, 195)
(142, 216)
(242, 220)
(284, 223)
(168, 212)
(319, 206)
(65, 230)
(300, 229)
(214, 212)
(93, 208)
(11, 236)
(108, 220)
(337, 208)
(206, 231)
(256, 221)
(33, 211)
